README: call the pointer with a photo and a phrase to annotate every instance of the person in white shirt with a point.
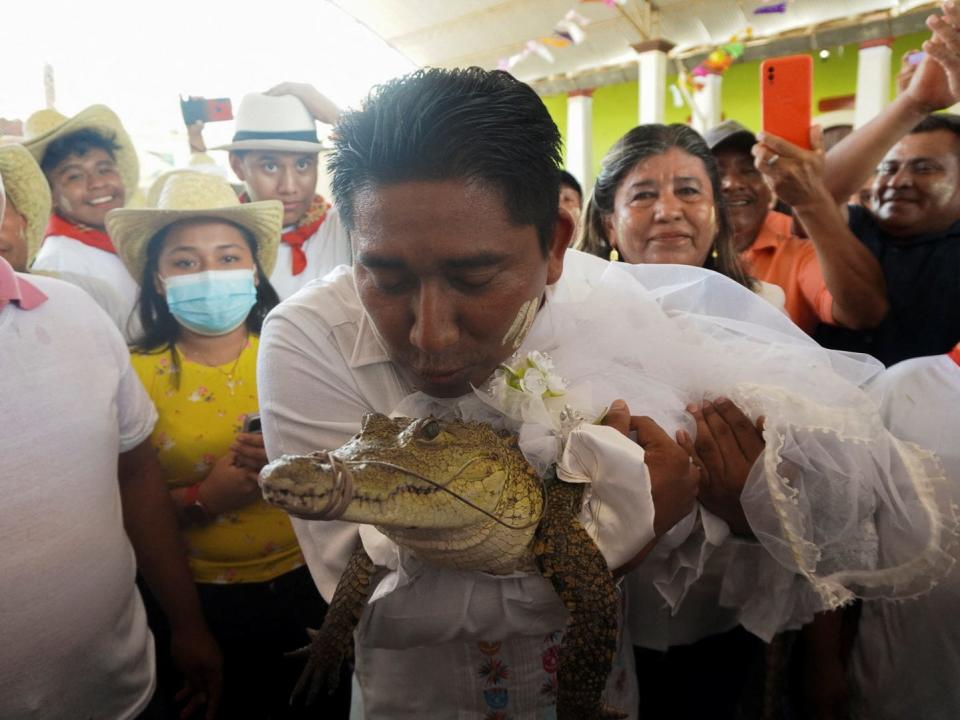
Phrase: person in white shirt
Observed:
(22, 229)
(84, 507)
(92, 168)
(906, 657)
(461, 263)
(275, 153)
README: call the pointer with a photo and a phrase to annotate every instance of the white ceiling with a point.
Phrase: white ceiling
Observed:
(456, 33)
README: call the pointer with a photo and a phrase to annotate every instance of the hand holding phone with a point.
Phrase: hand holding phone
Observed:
(249, 448)
(786, 89)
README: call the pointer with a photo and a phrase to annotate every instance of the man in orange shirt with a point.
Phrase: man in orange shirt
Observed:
(828, 278)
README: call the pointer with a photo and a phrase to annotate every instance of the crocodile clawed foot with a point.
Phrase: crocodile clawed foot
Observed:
(595, 712)
(608, 712)
(324, 657)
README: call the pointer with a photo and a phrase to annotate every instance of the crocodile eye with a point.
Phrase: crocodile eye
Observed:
(430, 430)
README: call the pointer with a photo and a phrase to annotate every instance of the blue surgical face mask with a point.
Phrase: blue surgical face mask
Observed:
(212, 302)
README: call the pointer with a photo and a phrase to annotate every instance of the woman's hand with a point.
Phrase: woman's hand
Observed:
(728, 444)
(229, 486)
(674, 479)
(250, 451)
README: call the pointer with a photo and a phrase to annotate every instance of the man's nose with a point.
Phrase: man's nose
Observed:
(730, 181)
(287, 184)
(434, 320)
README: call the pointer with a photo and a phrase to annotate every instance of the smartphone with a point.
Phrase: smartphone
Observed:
(786, 90)
(205, 109)
(251, 423)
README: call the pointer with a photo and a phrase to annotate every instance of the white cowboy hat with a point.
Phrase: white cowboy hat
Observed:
(274, 122)
(45, 126)
(27, 189)
(187, 195)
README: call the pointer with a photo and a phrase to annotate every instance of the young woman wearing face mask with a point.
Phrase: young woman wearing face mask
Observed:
(202, 260)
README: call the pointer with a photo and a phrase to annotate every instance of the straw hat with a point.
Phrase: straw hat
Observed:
(156, 187)
(43, 121)
(188, 195)
(45, 126)
(274, 122)
(27, 189)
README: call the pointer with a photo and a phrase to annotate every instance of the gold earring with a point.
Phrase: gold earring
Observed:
(614, 255)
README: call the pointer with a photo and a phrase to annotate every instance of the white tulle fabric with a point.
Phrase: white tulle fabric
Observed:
(838, 506)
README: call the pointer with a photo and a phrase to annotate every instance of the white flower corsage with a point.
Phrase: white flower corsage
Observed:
(528, 390)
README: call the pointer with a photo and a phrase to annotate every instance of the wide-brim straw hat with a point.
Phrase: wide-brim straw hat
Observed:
(280, 123)
(96, 117)
(156, 187)
(191, 195)
(27, 189)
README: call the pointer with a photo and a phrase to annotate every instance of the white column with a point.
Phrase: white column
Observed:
(652, 80)
(873, 80)
(579, 141)
(708, 100)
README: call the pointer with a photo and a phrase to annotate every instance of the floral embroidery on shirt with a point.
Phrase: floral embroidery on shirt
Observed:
(494, 671)
(201, 394)
(550, 658)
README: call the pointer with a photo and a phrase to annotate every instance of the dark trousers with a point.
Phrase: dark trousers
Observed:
(719, 677)
(255, 625)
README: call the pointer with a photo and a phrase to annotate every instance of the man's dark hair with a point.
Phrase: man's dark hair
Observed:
(939, 121)
(571, 182)
(78, 143)
(643, 142)
(465, 124)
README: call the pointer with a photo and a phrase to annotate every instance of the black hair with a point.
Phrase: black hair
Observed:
(646, 141)
(571, 182)
(160, 329)
(939, 121)
(78, 143)
(465, 124)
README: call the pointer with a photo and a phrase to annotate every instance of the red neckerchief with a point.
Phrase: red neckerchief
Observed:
(84, 233)
(955, 354)
(312, 219)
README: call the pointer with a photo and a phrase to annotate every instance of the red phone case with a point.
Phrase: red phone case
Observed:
(217, 109)
(786, 88)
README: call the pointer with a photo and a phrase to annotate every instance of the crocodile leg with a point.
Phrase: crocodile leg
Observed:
(571, 561)
(333, 642)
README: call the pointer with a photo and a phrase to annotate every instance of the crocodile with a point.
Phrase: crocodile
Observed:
(461, 495)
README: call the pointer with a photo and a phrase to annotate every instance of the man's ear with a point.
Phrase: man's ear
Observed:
(563, 231)
(236, 164)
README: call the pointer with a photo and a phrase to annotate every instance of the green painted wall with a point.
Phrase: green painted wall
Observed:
(615, 106)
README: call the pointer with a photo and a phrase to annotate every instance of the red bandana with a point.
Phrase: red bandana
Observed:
(955, 354)
(85, 234)
(312, 219)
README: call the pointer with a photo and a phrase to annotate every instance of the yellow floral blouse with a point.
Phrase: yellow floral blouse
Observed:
(199, 420)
